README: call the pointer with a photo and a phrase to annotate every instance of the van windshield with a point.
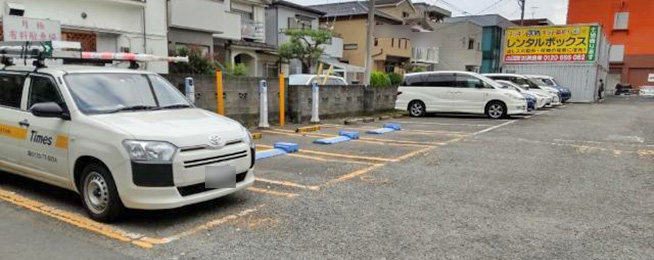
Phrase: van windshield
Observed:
(100, 93)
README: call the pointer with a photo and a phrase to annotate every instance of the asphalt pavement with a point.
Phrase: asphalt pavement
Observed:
(575, 182)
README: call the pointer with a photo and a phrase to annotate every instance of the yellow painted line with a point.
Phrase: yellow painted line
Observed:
(256, 136)
(272, 192)
(354, 157)
(288, 183)
(323, 159)
(412, 154)
(644, 152)
(73, 219)
(13, 132)
(306, 129)
(211, 224)
(354, 174)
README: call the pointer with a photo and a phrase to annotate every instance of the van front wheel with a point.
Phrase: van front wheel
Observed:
(99, 194)
(417, 109)
(496, 110)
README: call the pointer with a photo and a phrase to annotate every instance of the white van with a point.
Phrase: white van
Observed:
(529, 84)
(457, 91)
(120, 138)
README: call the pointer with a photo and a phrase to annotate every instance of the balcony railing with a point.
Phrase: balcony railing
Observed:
(253, 30)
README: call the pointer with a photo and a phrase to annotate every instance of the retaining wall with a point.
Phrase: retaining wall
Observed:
(241, 95)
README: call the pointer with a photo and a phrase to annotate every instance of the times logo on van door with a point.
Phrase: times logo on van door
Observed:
(35, 137)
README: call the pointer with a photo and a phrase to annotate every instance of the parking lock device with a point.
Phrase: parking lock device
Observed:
(263, 106)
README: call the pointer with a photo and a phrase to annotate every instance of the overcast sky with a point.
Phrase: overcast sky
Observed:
(555, 10)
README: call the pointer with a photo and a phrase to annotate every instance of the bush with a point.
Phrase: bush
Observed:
(417, 69)
(198, 63)
(396, 79)
(237, 70)
(380, 79)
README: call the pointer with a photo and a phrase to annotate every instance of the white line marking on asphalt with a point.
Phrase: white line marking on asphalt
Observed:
(495, 127)
(600, 143)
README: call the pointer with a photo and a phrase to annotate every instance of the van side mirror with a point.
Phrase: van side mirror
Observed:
(49, 110)
(525, 86)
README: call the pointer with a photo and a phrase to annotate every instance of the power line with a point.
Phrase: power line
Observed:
(490, 6)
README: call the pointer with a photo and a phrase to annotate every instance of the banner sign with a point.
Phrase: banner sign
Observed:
(568, 43)
(18, 28)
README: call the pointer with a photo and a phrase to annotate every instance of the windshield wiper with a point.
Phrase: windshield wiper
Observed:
(176, 106)
(134, 108)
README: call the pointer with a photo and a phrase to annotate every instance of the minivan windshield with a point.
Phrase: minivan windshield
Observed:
(100, 93)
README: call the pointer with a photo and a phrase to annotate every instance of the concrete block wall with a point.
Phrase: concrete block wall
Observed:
(241, 97)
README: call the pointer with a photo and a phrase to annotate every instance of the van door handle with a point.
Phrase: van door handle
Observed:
(24, 123)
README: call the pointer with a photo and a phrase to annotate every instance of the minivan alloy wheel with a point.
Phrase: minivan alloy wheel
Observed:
(96, 193)
(417, 109)
(495, 110)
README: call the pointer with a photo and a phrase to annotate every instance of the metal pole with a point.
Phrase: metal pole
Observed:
(522, 13)
(220, 102)
(315, 100)
(282, 100)
(263, 106)
(369, 42)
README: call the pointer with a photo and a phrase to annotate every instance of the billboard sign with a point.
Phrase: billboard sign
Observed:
(18, 28)
(551, 44)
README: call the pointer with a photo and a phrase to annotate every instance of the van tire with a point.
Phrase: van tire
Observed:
(417, 108)
(496, 110)
(99, 194)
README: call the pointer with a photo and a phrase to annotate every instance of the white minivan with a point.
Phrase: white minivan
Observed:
(458, 92)
(120, 138)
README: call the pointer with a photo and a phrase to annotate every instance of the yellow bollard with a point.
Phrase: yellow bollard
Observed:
(220, 106)
(282, 100)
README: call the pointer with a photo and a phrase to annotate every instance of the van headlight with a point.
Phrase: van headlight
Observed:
(247, 138)
(150, 151)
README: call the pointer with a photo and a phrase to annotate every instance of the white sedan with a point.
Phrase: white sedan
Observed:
(541, 99)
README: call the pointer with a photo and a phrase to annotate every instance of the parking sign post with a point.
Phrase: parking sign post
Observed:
(315, 99)
(263, 106)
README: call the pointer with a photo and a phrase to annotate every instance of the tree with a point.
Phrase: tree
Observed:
(304, 45)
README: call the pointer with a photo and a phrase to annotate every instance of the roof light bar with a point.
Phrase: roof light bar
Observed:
(73, 50)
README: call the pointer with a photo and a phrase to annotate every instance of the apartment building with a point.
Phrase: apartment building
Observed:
(243, 38)
(460, 44)
(493, 38)
(349, 20)
(102, 26)
(629, 27)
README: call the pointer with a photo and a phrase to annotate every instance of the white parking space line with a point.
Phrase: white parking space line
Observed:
(494, 127)
(288, 183)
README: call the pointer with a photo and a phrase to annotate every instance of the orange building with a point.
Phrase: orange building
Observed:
(629, 24)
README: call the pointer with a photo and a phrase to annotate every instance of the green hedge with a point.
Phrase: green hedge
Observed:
(379, 79)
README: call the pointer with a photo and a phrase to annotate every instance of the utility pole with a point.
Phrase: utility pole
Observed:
(522, 12)
(369, 42)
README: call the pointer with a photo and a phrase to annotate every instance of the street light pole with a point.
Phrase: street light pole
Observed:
(369, 42)
(522, 13)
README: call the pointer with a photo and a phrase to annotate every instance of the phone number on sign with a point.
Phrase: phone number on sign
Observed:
(546, 58)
